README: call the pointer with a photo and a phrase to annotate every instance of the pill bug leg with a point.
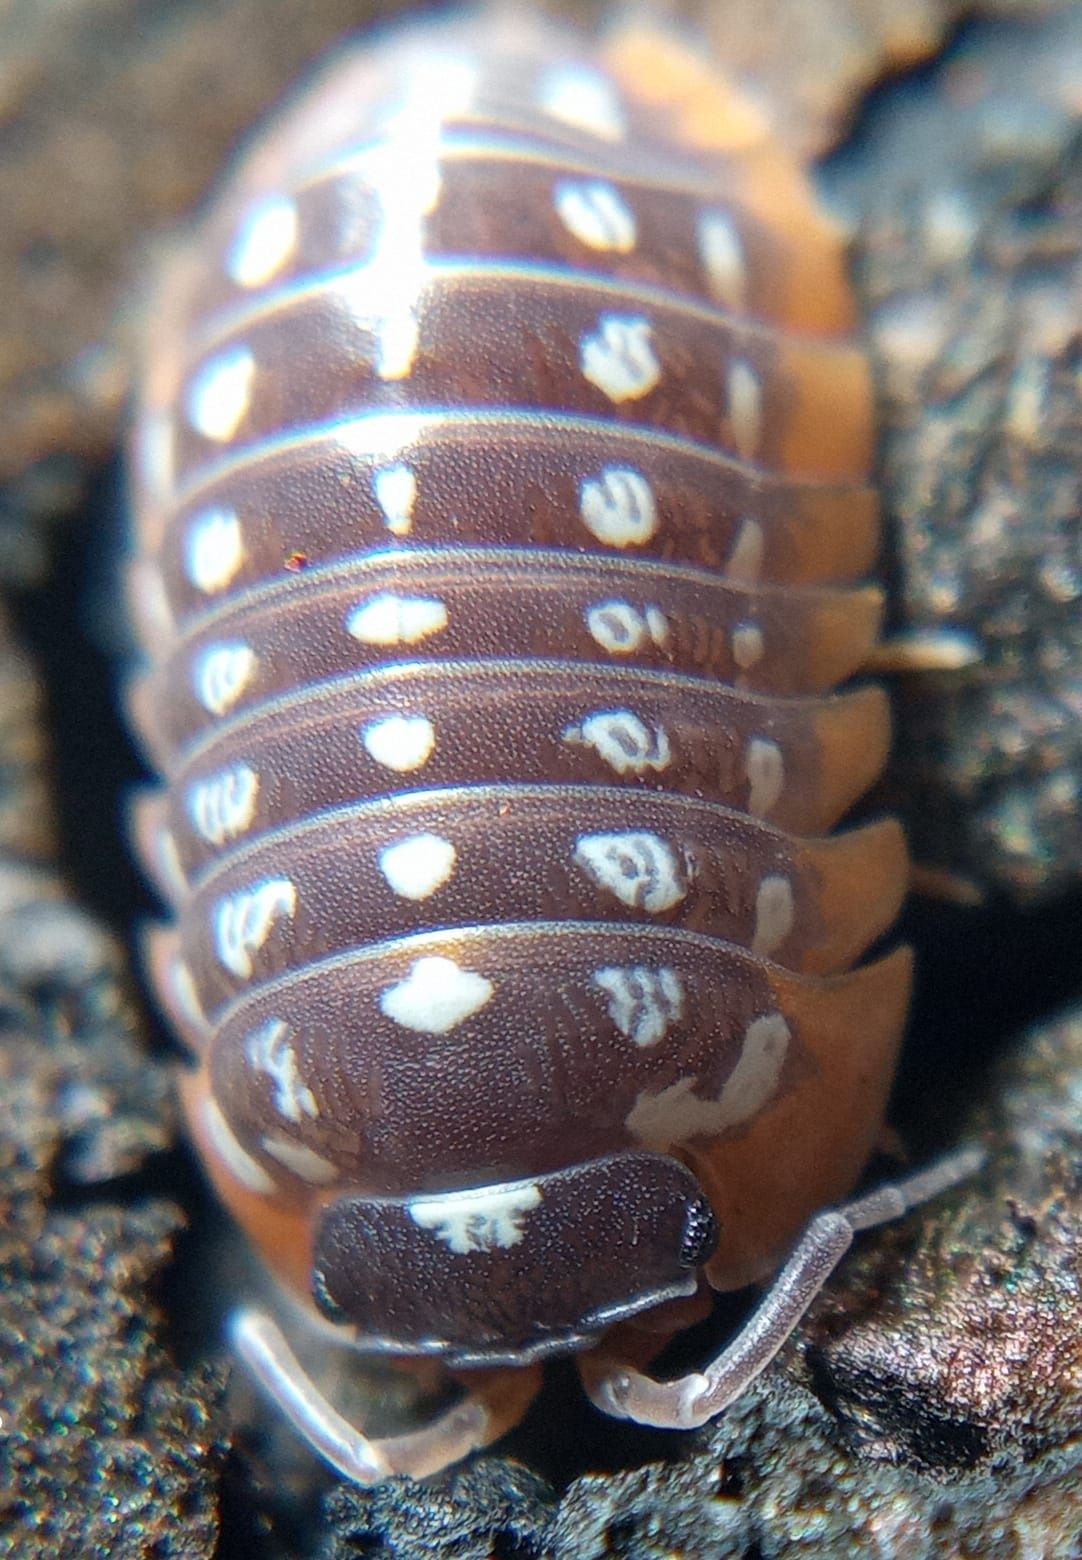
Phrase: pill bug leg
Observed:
(689, 1401)
(496, 1401)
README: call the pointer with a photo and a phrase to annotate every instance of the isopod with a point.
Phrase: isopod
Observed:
(503, 533)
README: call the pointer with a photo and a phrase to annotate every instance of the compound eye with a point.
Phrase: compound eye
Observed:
(700, 1233)
(513, 1271)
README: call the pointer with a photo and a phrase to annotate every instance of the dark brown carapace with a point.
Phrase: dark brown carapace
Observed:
(503, 513)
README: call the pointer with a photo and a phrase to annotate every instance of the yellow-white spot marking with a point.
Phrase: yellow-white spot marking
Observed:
(240, 1164)
(400, 742)
(436, 996)
(623, 741)
(221, 674)
(596, 214)
(149, 603)
(643, 1003)
(619, 358)
(748, 646)
(677, 1114)
(657, 625)
(264, 243)
(618, 507)
(773, 914)
(396, 493)
(417, 866)
(167, 864)
(766, 775)
(746, 559)
(620, 628)
(641, 869)
(185, 996)
(723, 259)
(745, 409)
(388, 619)
(244, 921)
(223, 805)
(213, 549)
(155, 454)
(583, 98)
(478, 1219)
(269, 1051)
(219, 395)
(304, 1162)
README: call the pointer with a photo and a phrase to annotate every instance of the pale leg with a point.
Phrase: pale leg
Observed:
(689, 1401)
(485, 1414)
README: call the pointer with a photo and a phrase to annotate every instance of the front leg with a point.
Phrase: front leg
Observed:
(495, 1403)
(692, 1400)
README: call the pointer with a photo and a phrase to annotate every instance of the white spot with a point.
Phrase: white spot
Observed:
(167, 863)
(618, 507)
(267, 238)
(723, 258)
(388, 619)
(478, 1219)
(766, 775)
(304, 1162)
(213, 549)
(657, 625)
(219, 394)
(269, 1051)
(579, 96)
(619, 357)
(149, 603)
(400, 742)
(239, 1163)
(596, 214)
(620, 628)
(417, 866)
(155, 453)
(223, 806)
(745, 409)
(221, 674)
(639, 868)
(748, 647)
(396, 493)
(244, 921)
(773, 914)
(642, 1002)
(436, 996)
(676, 1114)
(754, 1079)
(399, 340)
(625, 742)
(182, 984)
(746, 558)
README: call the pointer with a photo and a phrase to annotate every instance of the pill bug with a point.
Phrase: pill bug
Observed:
(503, 526)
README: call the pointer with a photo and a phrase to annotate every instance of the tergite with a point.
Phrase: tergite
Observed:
(503, 524)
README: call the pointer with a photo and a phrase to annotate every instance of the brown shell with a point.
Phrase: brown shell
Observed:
(503, 516)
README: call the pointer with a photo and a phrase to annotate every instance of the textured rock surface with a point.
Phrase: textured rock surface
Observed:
(105, 1448)
(966, 192)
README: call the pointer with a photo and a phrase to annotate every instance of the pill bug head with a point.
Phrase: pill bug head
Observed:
(515, 1271)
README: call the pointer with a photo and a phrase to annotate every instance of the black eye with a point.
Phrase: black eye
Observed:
(700, 1233)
